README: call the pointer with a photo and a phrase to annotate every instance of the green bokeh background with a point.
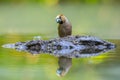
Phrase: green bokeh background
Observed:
(94, 17)
(21, 20)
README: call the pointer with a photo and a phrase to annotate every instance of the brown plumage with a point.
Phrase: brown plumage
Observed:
(64, 29)
(64, 26)
(64, 66)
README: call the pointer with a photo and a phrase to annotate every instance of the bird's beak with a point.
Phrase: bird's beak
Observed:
(58, 20)
(60, 72)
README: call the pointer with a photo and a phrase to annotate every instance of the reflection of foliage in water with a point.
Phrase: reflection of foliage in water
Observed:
(20, 63)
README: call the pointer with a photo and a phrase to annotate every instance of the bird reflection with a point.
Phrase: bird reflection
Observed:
(64, 66)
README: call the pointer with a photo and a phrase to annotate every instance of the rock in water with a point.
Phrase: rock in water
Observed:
(71, 46)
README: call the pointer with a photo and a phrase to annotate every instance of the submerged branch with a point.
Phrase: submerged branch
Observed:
(71, 46)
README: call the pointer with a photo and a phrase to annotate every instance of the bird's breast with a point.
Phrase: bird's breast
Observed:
(64, 30)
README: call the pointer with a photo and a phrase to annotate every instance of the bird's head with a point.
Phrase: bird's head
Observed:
(60, 72)
(61, 19)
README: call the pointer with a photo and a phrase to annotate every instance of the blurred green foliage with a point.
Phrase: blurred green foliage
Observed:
(62, 1)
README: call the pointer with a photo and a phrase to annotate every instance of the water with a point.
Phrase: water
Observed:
(16, 65)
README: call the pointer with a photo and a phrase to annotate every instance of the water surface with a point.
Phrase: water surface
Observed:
(16, 65)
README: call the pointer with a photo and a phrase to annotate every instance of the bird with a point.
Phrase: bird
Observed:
(64, 66)
(64, 30)
(64, 26)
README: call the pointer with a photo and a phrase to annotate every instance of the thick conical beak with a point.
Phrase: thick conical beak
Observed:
(60, 72)
(58, 20)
